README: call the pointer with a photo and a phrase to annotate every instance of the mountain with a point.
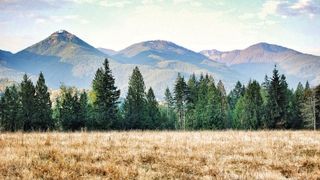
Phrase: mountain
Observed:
(65, 58)
(62, 57)
(259, 59)
(164, 59)
(5, 54)
(152, 52)
(108, 52)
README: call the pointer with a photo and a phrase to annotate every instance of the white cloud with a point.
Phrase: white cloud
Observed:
(284, 9)
(269, 8)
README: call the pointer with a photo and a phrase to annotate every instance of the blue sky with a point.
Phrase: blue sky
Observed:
(197, 25)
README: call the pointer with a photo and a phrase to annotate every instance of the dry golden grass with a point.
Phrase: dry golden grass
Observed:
(161, 155)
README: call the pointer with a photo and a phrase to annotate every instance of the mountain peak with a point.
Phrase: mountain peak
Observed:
(61, 43)
(267, 47)
(62, 35)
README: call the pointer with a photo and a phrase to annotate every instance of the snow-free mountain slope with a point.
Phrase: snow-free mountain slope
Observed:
(108, 52)
(65, 58)
(258, 59)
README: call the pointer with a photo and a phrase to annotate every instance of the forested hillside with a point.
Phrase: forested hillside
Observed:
(196, 104)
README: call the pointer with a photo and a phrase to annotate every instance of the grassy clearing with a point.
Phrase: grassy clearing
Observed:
(161, 155)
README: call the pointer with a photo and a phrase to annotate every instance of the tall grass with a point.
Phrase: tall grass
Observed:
(161, 155)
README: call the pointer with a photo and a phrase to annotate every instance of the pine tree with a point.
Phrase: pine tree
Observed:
(27, 97)
(252, 106)
(277, 101)
(180, 97)
(202, 119)
(153, 121)
(135, 113)
(68, 107)
(11, 112)
(235, 94)
(107, 95)
(168, 99)
(83, 109)
(308, 107)
(43, 115)
(233, 98)
(224, 121)
(192, 87)
(295, 107)
(169, 117)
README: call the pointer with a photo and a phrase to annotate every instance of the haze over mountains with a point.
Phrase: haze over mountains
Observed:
(65, 58)
(259, 59)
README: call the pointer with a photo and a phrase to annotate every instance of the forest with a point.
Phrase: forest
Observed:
(198, 103)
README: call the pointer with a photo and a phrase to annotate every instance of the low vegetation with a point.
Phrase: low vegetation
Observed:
(161, 155)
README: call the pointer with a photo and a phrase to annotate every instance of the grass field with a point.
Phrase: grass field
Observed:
(161, 155)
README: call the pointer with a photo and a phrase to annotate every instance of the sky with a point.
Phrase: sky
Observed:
(197, 25)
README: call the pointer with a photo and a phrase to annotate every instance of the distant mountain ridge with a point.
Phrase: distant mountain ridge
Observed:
(108, 52)
(260, 59)
(65, 58)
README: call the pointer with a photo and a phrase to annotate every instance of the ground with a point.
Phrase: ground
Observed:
(161, 155)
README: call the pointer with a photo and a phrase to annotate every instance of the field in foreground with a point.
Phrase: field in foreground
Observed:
(161, 155)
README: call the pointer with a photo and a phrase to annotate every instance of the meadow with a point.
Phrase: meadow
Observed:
(161, 155)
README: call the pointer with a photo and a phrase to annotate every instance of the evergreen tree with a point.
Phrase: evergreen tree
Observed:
(168, 115)
(107, 95)
(236, 94)
(224, 121)
(308, 108)
(180, 97)
(153, 121)
(277, 101)
(11, 111)
(135, 113)
(168, 98)
(295, 107)
(249, 108)
(69, 109)
(83, 109)
(238, 115)
(233, 98)
(201, 112)
(27, 97)
(192, 97)
(43, 115)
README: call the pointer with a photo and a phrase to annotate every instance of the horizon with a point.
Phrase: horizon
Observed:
(181, 45)
(220, 25)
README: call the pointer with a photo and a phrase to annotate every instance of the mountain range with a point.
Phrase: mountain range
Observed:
(65, 58)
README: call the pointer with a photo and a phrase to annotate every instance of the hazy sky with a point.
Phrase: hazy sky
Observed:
(197, 25)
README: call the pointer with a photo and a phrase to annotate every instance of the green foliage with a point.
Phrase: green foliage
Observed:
(28, 105)
(69, 112)
(106, 98)
(235, 95)
(168, 115)
(43, 114)
(295, 107)
(248, 113)
(196, 105)
(308, 107)
(153, 113)
(277, 101)
(135, 111)
(180, 98)
(11, 110)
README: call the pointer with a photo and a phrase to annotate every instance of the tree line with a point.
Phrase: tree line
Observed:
(193, 104)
